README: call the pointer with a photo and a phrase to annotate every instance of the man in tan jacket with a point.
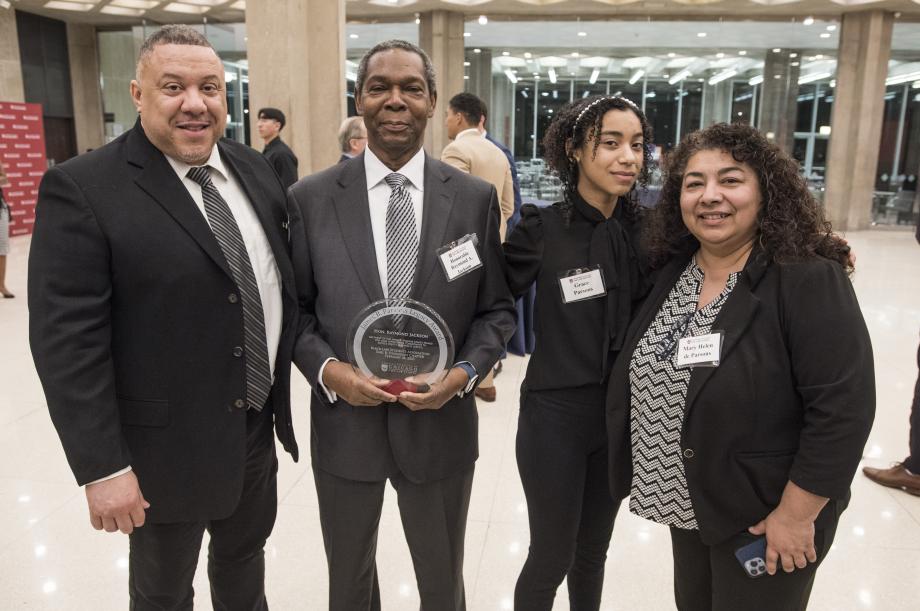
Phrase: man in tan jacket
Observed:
(470, 152)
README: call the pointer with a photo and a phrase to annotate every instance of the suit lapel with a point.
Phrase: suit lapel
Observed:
(734, 318)
(436, 208)
(260, 203)
(353, 212)
(159, 180)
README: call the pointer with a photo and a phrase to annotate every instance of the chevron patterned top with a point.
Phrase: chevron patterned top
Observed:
(658, 396)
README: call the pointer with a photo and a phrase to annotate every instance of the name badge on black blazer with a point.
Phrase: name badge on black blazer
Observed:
(700, 350)
(581, 284)
(460, 257)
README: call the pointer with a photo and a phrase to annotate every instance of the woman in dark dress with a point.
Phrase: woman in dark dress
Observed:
(579, 252)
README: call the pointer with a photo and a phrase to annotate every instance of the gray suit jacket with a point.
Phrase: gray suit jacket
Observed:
(337, 276)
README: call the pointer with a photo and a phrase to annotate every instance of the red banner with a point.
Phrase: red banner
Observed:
(22, 153)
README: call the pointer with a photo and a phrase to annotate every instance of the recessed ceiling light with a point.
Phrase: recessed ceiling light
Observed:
(527, 55)
(190, 9)
(777, 50)
(121, 10)
(819, 56)
(794, 63)
(483, 20)
(466, 63)
(742, 52)
(134, 3)
(672, 54)
(352, 35)
(720, 55)
(793, 55)
(808, 21)
(477, 50)
(467, 34)
(574, 53)
(582, 33)
(70, 6)
(506, 53)
(831, 28)
(701, 34)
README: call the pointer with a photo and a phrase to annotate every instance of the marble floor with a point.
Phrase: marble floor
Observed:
(50, 557)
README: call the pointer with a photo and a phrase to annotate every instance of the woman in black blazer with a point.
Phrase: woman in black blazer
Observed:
(741, 401)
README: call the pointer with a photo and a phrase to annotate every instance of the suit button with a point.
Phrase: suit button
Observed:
(239, 403)
(237, 351)
(232, 298)
(688, 453)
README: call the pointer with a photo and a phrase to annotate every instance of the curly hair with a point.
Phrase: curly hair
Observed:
(790, 225)
(577, 123)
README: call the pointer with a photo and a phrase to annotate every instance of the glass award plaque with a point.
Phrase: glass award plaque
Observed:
(401, 340)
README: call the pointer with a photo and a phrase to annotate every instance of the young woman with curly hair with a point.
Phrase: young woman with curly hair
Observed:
(744, 393)
(579, 252)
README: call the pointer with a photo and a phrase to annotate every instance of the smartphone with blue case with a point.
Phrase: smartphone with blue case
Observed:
(753, 558)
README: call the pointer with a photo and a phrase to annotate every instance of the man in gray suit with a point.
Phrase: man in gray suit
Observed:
(369, 229)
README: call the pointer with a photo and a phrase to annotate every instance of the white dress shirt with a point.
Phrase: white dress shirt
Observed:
(264, 267)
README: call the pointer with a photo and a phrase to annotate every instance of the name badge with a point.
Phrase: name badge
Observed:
(460, 257)
(581, 284)
(700, 350)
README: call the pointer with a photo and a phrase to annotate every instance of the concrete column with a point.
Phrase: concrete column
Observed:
(296, 53)
(856, 119)
(778, 100)
(440, 34)
(11, 88)
(480, 73)
(84, 83)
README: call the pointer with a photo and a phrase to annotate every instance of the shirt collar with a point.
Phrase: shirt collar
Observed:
(376, 171)
(469, 132)
(181, 168)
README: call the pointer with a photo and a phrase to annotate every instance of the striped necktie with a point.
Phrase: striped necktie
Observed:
(227, 232)
(401, 238)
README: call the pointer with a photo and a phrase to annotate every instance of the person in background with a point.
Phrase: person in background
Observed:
(597, 148)
(470, 152)
(745, 391)
(516, 216)
(162, 318)
(905, 475)
(352, 138)
(4, 234)
(280, 156)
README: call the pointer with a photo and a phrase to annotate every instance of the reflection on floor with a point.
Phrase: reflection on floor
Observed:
(50, 558)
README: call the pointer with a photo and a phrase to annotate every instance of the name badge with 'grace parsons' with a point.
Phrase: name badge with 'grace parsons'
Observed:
(699, 351)
(579, 285)
(460, 258)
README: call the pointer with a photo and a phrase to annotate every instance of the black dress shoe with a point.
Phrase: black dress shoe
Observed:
(896, 476)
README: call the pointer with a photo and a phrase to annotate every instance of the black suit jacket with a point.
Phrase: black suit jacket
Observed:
(134, 318)
(337, 275)
(793, 398)
(283, 160)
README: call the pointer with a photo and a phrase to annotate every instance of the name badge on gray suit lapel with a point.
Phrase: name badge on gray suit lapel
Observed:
(460, 257)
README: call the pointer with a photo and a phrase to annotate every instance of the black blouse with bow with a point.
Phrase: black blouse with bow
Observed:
(576, 342)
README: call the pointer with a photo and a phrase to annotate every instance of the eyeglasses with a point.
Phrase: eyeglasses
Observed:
(666, 344)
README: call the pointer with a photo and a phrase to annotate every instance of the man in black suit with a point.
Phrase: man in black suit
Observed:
(280, 156)
(371, 227)
(163, 317)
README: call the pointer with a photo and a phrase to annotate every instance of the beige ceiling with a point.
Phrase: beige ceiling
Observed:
(99, 11)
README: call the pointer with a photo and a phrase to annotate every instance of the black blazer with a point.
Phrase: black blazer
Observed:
(337, 276)
(793, 398)
(133, 322)
(283, 160)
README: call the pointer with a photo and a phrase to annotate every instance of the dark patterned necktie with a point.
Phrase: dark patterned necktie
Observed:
(401, 238)
(227, 232)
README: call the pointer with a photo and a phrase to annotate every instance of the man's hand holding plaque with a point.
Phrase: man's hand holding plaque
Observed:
(403, 346)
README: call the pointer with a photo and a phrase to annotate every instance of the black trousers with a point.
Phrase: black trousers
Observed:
(710, 578)
(562, 460)
(163, 557)
(434, 521)
(912, 462)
